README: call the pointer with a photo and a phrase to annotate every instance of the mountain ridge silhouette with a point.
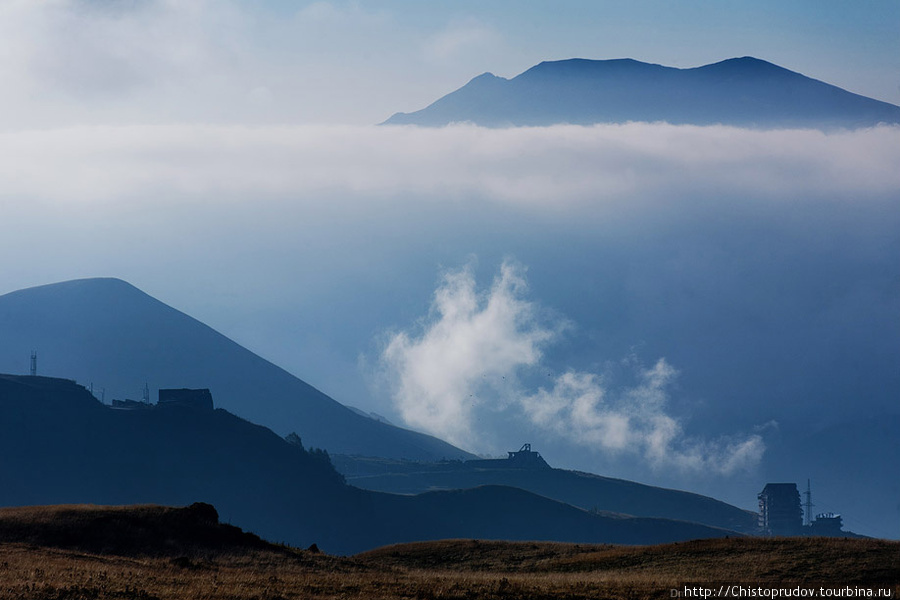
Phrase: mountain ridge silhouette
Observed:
(107, 332)
(743, 92)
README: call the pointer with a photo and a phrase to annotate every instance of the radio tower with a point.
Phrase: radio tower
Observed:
(808, 505)
(33, 363)
(146, 396)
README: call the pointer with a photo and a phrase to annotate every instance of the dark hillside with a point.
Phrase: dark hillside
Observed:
(108, 332)
(58, 445)
(61, 446)
(585, 490)
(505, 513)
(147, 530)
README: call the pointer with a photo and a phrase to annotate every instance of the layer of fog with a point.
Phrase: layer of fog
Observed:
(760, 265)
(555, 169)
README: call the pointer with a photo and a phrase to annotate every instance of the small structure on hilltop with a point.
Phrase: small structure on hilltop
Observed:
(198, 399)
(780, 513)
(524, 458)
(827, 525)
(779, 509)
(128, 404)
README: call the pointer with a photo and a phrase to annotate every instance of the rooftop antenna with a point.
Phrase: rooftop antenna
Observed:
(808, 505)
(33, 363)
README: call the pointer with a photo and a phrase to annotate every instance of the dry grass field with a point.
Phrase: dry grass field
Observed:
(235, 567)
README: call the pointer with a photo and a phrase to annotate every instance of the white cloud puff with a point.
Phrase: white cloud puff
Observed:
(469, 341)
(468, 355)
(634, 421)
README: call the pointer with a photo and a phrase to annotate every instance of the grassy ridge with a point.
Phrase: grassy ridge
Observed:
(773, 560)
(164, 553)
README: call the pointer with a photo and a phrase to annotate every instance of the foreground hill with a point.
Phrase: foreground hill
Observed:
(59, 445)
(108, 332)
(47, 562)
(147, 530)
(745, 92)
(585, 490)
(771, 560)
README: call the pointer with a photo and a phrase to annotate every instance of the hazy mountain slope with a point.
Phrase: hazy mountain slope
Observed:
(512, 514)
(584, 490)
(109, 333)
(739, 91)
(60, 446)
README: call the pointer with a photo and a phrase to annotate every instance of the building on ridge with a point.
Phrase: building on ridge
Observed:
(198, 399)
(779, 509)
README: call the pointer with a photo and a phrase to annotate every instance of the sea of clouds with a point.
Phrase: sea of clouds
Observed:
(555, 168)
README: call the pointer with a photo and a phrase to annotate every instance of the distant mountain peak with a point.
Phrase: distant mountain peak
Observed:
(589, 63)
(83, 283)
(746, 60)
(743, 91)
(110, 333)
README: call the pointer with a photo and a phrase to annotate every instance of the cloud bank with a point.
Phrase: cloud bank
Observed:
(465, 360)
(553, 168)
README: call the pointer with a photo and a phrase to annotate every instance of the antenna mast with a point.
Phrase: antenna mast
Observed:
(808, 504)
(146, 396)
(33, 363)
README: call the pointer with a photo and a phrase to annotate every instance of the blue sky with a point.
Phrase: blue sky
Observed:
(341, 62)
(854, 45)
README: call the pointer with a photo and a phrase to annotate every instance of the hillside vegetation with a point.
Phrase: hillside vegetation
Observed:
(59, 445)
(126, 530)
(167, 553)
(745, 559)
